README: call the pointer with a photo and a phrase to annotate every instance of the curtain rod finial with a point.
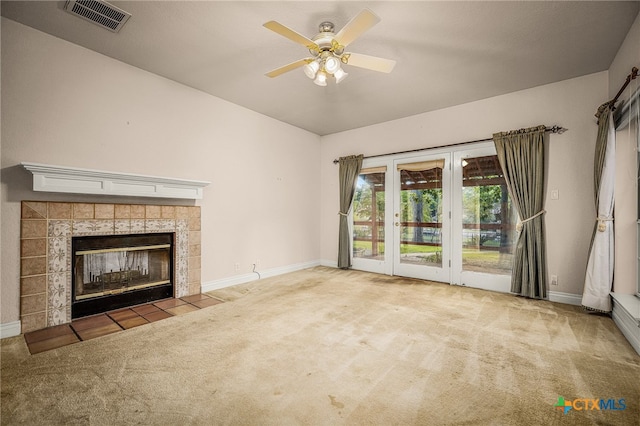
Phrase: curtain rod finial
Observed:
(557, 129)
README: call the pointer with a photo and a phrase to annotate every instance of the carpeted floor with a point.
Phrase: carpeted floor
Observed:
(326, 346)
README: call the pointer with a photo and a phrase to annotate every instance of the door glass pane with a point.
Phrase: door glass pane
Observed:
(368, 216)
(488, 217)
(421, 213)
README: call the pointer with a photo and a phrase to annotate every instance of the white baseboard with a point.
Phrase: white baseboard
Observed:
(245, 278)
(626, 312)
(10, 329)
(553, 296)
(566, 298)
(329, 263)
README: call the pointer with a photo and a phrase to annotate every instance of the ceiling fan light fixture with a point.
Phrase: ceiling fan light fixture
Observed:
(327, 49)
(340, 75)
(331, 64)
(321, 78)
(311, 69)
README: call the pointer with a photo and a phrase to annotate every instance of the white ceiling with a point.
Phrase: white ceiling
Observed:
(447, 53)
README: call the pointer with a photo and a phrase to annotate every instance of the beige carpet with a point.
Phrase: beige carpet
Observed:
(325, 346)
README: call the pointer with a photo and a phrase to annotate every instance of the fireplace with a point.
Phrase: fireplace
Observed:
(111, 272)
(47, 259)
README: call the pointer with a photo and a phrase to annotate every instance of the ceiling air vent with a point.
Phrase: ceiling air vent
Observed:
(99, 12)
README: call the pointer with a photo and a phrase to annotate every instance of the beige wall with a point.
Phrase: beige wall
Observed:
(626, 174)
(571, 103)
(65, 105)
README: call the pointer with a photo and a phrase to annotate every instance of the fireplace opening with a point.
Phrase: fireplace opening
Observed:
(115, 271)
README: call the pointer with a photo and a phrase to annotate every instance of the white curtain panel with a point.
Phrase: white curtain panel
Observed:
(599, 277)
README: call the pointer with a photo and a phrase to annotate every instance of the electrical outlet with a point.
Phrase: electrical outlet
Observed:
(257, 262)
(237, 267)
(554, 280)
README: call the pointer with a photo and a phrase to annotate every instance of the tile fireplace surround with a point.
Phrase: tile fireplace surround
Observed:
(46, 230)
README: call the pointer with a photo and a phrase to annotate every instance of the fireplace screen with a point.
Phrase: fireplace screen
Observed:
(115, 271)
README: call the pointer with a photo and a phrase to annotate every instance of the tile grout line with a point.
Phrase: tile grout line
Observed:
(76, 333)
(114, 320)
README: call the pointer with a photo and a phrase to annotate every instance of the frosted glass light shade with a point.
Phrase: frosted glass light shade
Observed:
(331, 64)
(311, 69)
(321, 78)
(340, 75)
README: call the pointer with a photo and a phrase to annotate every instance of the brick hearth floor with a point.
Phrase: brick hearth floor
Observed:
(113, 322)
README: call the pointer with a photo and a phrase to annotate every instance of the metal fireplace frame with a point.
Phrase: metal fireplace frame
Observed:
(121, 299)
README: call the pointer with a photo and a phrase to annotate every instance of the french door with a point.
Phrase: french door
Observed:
(371, 218)
(443, 216)
(484, 234)
(421, 222)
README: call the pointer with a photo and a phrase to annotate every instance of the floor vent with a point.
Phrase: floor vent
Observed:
(99, 12)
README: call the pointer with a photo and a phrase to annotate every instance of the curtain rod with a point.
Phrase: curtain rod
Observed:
(632, 76)
(553, 129)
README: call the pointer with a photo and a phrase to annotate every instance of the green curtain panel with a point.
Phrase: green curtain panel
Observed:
(521, 156)
(349, 170)
(604, 122)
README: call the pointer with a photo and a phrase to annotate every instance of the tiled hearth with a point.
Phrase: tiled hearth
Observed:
(114, 321)
(45, 249)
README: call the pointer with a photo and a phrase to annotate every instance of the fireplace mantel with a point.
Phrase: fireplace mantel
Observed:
(75, 180)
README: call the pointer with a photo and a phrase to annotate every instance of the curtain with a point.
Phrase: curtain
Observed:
(349, 170)
(521, 156)
(599, 276)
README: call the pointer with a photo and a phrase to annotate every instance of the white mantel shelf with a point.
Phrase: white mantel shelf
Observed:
(75, 180)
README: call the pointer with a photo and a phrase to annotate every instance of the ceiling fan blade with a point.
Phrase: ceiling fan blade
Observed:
(358, 25)
(370, 62)
(290, 34)
(288, 67)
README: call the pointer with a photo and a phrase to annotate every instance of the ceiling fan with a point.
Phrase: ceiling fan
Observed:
(327, 50)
